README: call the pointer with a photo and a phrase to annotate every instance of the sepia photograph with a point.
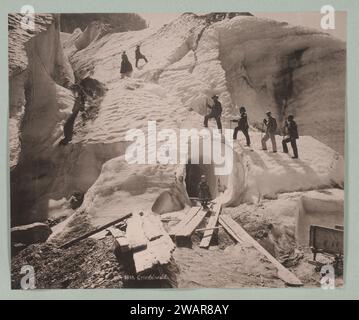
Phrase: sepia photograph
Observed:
(177, 150)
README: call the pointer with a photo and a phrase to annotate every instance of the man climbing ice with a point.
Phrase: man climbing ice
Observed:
(216, 113)
(242, 126)
(204, 195)
(126, 66)
(271, 128)
(79, 105)
(139, 55)
(291, 132)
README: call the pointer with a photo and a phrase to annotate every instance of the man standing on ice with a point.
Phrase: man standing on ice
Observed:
(139, 55)
(216, 113)
(242, 126)
(271, 128)
(291, 131)
(204, 195)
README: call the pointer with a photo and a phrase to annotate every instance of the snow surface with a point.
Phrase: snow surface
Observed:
(188, 63)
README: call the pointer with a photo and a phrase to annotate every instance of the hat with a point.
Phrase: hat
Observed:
(215, 97)
(242, 109)
(268, 112)
(203, 176)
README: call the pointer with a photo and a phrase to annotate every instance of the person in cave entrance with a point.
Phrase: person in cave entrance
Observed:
(204, 195)
(80, 99)
(242, 126)
(126, 66)
(216, 113)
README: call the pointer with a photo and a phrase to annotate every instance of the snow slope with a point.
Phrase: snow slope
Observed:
(245, 60)
(189, 61)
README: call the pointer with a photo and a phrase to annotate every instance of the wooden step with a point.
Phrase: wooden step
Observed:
(187, 230)
(189, 216)
(212, 222)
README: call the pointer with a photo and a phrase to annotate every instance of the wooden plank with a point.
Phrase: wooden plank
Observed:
(212, 222)
(97, 230)
(283, 273)
(229, 230)
(189, 216)
(188, 229)
(206, 229)
(135, 234)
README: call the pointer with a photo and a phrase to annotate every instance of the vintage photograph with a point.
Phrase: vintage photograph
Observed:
(177, 150)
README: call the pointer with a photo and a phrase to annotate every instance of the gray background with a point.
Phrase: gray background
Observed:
(351, 289)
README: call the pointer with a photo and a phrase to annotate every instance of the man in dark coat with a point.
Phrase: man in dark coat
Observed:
(204, 195)
(242, 126)
(126, 66)
(216, 112)
(291, 131)
(271, 128)
(80, 99)
(139, 55)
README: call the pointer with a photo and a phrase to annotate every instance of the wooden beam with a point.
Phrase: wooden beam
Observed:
(187, 230)
(212, 222)
(233, 234)
(97, 230)
(189, 216)
(206, 229)
(283, 273)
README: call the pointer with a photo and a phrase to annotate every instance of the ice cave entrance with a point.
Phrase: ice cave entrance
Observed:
(193, 177)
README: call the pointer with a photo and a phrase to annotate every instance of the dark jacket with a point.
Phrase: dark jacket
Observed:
(126, 65)
(216, 109)
(243, 121)
(138, 53)
(291, 129)
(271, 124)
(203, 191)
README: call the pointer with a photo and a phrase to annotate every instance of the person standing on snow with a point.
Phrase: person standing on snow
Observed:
(126, 66)
(291, 131)
(271, 128)
(216, 113)
(204, 195)
(242, 126)
(139, 55)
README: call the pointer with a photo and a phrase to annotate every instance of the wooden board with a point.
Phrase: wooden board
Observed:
(212, 222)
(224, 223)
(189, 216)
(93, 232)
(288, 277)
(187, 230)
(135, 234)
